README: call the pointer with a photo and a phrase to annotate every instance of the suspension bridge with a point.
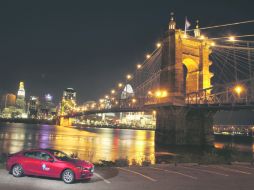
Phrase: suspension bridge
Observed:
(186, 79)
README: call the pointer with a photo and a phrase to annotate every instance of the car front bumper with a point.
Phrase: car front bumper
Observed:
(85, 174)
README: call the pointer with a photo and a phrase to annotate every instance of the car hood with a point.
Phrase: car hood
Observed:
(82, 163)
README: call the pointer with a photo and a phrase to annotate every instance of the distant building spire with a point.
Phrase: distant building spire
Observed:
(172, 23)
(197, 32)
(21, 91)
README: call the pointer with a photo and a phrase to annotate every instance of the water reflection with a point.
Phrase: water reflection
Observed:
(90, 144)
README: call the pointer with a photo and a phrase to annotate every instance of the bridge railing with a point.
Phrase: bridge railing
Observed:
(240, 92)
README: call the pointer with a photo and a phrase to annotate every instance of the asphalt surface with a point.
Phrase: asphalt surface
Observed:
(170, 177)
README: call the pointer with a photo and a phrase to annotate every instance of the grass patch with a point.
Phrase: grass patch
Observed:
(3, 159)
(226, 155)
(121, 163)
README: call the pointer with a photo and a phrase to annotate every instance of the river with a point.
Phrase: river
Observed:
(91, 144)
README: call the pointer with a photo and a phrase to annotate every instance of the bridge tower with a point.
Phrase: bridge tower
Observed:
(185, 63)
(67, 105)
(184, 69)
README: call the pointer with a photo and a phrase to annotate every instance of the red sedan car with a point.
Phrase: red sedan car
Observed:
(49, 163)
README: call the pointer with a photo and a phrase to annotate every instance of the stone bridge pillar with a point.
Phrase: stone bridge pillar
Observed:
(185, 68)
(64, 121)
(184, 126)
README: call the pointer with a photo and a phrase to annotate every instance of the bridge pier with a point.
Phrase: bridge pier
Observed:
(64, 121)
(184, 126)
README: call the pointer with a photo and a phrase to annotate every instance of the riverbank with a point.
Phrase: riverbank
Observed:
(81, 126)
(178, 155)
(27, 121)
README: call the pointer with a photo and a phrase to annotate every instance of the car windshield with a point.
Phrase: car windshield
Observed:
(60, 155)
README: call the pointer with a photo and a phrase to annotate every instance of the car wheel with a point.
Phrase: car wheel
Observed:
(68, 176)
(17, 170)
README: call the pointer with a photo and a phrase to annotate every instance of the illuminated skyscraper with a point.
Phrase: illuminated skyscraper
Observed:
(48, 109)
(20, 101)
(8, 100)
(33, 106)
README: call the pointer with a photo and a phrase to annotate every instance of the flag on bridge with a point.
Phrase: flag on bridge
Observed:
(187, 25)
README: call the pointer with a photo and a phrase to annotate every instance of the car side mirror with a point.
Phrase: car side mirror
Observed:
(50, 160)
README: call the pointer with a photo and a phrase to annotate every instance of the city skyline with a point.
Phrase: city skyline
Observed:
(41, 44)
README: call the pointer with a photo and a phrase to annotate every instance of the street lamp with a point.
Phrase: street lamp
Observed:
(158, 45)
(238, 90)
(148, 56)
(120, 85)
(128, 77)
(139, 66)
(231, 38)
(113, 91)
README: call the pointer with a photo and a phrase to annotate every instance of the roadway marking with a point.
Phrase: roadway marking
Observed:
(229, 169)
(207, 171)
(99, 176)
(174, 172)
(245, 167)
(145, 176)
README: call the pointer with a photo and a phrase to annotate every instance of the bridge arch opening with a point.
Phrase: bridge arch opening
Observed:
(190, 75)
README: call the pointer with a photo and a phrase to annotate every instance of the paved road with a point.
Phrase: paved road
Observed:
(180, 177)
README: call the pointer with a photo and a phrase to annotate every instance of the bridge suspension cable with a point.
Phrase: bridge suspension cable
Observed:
(224, 25)
(233, 60)
(238, 36)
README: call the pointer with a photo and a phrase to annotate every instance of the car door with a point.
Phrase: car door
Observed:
(49, 165)
(31, 163)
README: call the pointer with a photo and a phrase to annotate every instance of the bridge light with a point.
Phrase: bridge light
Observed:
(149, 93)
(231, 38)
(164, 94)
(148, 56)
(158, 45)
(161, 94)
(238, 89)
(202, 37)
(128, 76)
(139, 66)
(158, 94)
(120, 85)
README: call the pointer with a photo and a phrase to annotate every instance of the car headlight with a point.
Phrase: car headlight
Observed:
(80, 167)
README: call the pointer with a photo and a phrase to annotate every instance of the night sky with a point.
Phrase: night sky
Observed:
(91, 45)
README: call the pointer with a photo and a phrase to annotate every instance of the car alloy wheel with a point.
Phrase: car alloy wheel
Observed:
(17, 170)
(68, 176)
